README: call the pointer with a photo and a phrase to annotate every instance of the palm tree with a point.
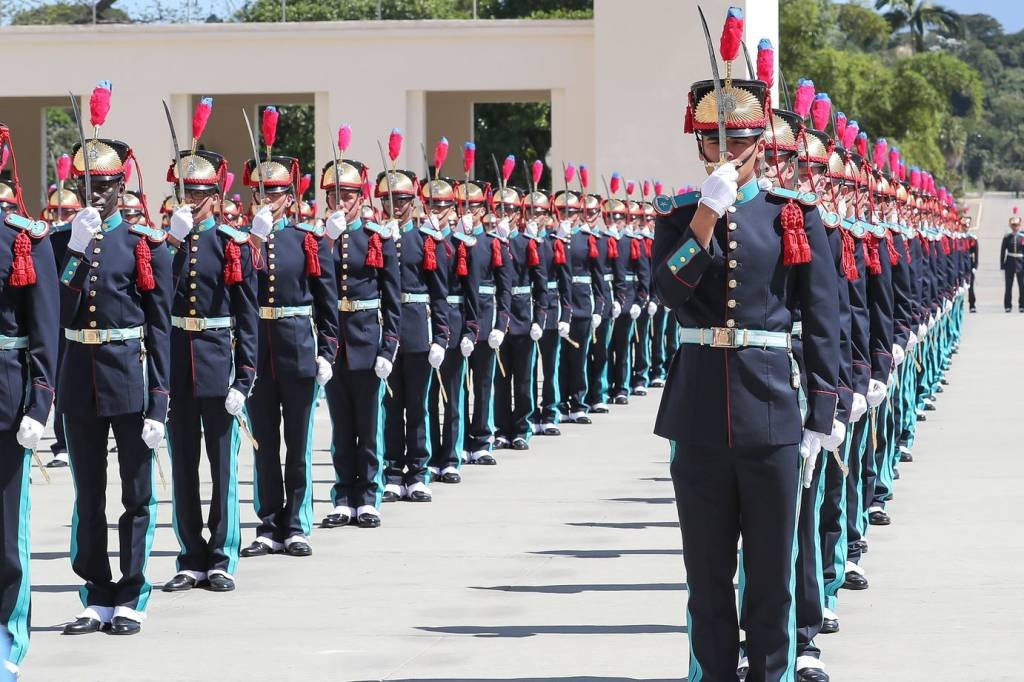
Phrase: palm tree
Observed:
(920, 16)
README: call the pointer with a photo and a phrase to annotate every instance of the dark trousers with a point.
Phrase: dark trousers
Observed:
(87, 453)
(597, 364)
(876, 490)
(832, 528)
(753, 493)
(641, 346)
(855, 502)
(550, 345)
(406, 437)
(15, 596)
(573, 370)
(808, 594)
(190, 421)
(284, 504)
(659, 341)
(513, 393)
(354, 399)
(447, 427)
(619, 355)
(971, 300)
(60, 443)
(480, 431)
(1011, 274)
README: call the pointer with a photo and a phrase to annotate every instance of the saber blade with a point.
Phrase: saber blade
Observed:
(720, 102)
(87, 175)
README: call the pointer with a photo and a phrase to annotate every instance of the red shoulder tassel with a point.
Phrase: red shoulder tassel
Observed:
(232, 263)
(144, 280)
(461, 261)
(312, 248)
(613, 248)
(871, 254)
(375, 252)
(496, 259)
(647, 247)
(23, 269)
(592, 252)
(849, 257)
(906, 247)
(926, 247)
(559, 248)
(894, 254)
(429, 254)
(532, 257)
(946, 247)
(634, 249)
(795, 249)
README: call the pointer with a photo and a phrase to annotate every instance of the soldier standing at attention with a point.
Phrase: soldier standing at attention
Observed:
(1011, 262)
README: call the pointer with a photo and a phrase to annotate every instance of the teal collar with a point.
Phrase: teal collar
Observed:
(408, 227)
(748, 191)
(355, 225)
(446, 231)
(205, 225)
(478, 230)
(280, 224)
(113, 222)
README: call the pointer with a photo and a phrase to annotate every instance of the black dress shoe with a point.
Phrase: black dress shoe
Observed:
(829, 626)
(500, 443)
(620, 400)
(451, 477)
(639, 390)
(256, 549)
(368, 521)
(218, 582)
(583, 419)
(83, 626)
(855, 581)
(921, 417)
(420, 496)
(180, 583)
(906, 456)
(811, 675)
(657, 383)
(940, 389)
(862, 544)
(486, 460)
(895, 474)
(520, 444)
(335, 521)
(551, 431)
(599, 410)
(390, 496)
(944, 382)
(1009, 310)
(879, 518)
(124, 626)
(298, 548)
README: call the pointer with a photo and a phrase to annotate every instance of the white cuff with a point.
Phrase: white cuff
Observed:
(418, 487)
(129, 613)
(368, 509)
(296, 538)
(101, 613)
(346, 511)
(198, 576)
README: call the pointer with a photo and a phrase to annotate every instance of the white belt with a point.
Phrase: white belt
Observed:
(201, 324)
(727, 337)
(581, 279)
(94, 337)
(521, 291)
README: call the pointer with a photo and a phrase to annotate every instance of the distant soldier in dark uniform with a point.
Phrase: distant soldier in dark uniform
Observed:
(603, 233)
(972, 250)
(732, 403)
(29, 309)
(298, 341)
(642, 340)
(630, 297)
(116, 313)
(213, 353)
(1011, 262)
(368, 279)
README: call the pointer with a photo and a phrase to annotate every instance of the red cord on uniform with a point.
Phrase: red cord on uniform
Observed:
(312, 249)
(795, 248)
(232, 263)
(559, 248)
(461, 261)
(496, 259)
(592, 251)
(532, 257)
(23, 269)
(429, 254)
(375, 252)
(144, 279)
(849, 256)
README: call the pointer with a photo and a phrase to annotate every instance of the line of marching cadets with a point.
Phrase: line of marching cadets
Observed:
(819, 284)
(215, 330)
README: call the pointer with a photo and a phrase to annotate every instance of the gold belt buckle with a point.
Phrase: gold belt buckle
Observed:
(346, 306)
(195, 324)
(723, 337)
(92, 337)
(269, 313)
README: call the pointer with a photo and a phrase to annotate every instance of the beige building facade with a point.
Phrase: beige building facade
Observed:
(617, 84)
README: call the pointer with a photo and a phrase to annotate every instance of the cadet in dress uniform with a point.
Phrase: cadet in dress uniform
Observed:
(641, 370)
(603, 234)
(630, 297)
(28, 350)
(731, 405)
(424, 335)
(514, 392)
(61, 207)
(116, 313)
(972, 249)
(215, 324)
(368, 279)
(298, 341)
(1011, 262)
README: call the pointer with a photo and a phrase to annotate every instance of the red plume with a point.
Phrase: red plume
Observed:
(766, 62)
(821, 111)
(645, 189)
(395, 144)
(229, 179)
(915, 178)
(839, 127)
(537, 171)
(658, 187)
(269, 126)
(344, 137)
(630, 187)
(732, 34)
(440, 154)
(570, 174)
(99, 104)
(507, 167)
(615, 184)
(584, 175)
(862, 144)
(881, 151)
(4, 157)
(1015, 210)
(63, 166)
(468, 157)
(201, 117)
(304, 182)
(894, 161)
(850, 134)
(804, 98)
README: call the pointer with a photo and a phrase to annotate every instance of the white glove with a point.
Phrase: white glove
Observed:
(84, 227)
(495, 338)
(876, 393)
(810, 446)
(335, 225)
(832, 441)
(181, 222)
(502, 229)
(262, 223)
(898, 356)
(382, 367)
(922, 329)
(391, 229)
(531, 228)
(29, 433)
(652, 308)
(466, 223)
(911, 341)
(859, 407)
(595, 321)
(634, 311)
(931, 322)
(435, 356)
(536, 332)
(152, 433)
(948, 306)
(234, 401)
(564, 229)
(616, 309)
(324, 371)
(466, 347)
(718, 191)
(563, 328)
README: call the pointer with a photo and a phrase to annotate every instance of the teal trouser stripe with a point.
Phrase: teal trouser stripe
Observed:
(696, 673)
(233, 538)
(490, 403)
(255, 469)
(791, 636)
(819, 500)
(460, 438)
(607, 365)
(865, 438)
(83, 592)
(555, 371)
(147, 588)
(17, 624)
(174, 504)
(533, 393)
(379, 478)
(840, 550)
(306, 509)
(426, 411)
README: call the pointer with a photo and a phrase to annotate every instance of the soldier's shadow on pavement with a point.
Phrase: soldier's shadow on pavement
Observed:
(644, 500)
(626, 525)
(608, 553)
(519, 631)
(51, 556)
(544, 679)
(53, 589)
(579, 589)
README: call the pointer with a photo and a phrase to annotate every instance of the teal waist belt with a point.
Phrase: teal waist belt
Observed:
(94, 337)
(13, 342)
(521, 291)
(200, 324)
(727, 337)
(415, 298)
(487, 290)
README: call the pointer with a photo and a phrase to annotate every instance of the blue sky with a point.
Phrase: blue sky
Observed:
(1009, 12)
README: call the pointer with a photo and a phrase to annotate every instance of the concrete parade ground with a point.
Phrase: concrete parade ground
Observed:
(564, 562)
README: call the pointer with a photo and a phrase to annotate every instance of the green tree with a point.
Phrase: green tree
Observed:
(803, 30)
(520, 128)
(950, 77)
(920, 17)
(863, 28)
(71, 13)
